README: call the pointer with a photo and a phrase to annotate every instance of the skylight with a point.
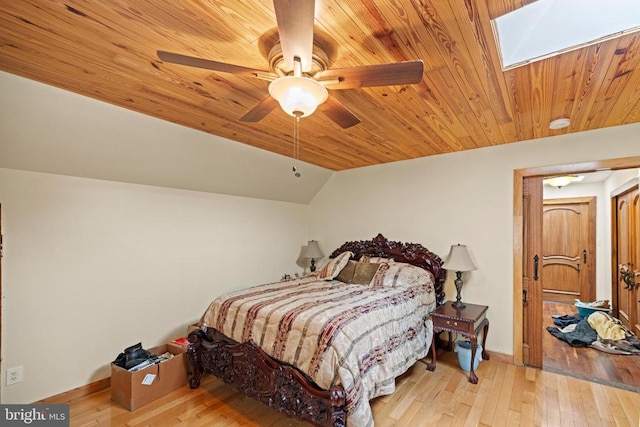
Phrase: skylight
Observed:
(546, 28)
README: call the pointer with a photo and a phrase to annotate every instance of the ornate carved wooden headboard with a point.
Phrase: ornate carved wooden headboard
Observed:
(411, 253)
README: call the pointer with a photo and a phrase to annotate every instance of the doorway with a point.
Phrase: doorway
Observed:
(534, 299)
(566, 219)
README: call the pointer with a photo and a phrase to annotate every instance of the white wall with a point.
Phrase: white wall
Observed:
(464, 197)
(91, 267)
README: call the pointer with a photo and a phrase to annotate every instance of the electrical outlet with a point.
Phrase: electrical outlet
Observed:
(14, 375)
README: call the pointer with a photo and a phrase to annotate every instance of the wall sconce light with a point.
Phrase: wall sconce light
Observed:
(458, 260)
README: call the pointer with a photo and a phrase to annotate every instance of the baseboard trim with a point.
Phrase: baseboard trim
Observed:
(501, 357)
(79, 392)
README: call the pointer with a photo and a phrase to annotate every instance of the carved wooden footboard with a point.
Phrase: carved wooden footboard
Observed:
(256, 374)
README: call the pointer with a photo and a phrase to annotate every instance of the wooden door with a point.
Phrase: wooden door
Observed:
(568, 261)
(531, 271)
(634, 228)
(623, 211)
(627, 249)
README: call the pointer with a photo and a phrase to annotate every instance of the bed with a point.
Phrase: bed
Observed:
(319, 347)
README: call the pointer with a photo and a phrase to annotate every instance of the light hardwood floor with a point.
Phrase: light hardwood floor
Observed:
(506, 395)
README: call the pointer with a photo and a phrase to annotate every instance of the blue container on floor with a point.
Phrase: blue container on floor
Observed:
(463, 348)
(586, 309)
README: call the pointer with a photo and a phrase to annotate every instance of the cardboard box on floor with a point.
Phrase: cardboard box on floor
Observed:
(130, 389)
(175, 349)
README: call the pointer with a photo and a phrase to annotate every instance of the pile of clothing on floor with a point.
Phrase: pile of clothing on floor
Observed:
(599, 330)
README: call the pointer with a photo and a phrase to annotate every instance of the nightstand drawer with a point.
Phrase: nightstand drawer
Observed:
(461, 325)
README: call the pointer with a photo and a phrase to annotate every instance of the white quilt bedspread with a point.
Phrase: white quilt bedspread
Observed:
(354, 335)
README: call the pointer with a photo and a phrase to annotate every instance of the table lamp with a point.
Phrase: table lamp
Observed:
(458, 260)
(313, 251)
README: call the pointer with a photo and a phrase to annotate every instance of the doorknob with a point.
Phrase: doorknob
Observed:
(536, 260)
(584, 256)
(524, 298)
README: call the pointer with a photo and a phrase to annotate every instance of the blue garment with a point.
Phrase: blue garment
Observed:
(565, 320)
(580, 336)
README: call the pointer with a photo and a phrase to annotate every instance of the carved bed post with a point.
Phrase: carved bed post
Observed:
(195, 339)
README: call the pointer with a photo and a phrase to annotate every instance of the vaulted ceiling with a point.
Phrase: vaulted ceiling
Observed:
(107, 50)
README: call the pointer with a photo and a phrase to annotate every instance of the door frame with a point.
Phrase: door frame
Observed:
(518, 227)
(1, 302)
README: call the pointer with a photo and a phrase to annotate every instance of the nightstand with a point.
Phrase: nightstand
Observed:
(465, 321)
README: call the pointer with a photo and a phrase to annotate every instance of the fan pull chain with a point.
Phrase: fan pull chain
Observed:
(296, 142)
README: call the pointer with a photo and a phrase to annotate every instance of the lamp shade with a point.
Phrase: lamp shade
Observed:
(458, 259)
(313, 250)
(298, 94)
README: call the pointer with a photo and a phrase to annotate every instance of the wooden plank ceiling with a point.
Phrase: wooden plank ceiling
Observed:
(107, 50)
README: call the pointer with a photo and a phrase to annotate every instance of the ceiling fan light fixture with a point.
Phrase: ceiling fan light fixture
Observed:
(298, 94)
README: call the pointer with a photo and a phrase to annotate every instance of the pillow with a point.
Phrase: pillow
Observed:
(346, 275)
(358, 273)
(401, 274)
(334, 266)
(375, 259)
(364, 273)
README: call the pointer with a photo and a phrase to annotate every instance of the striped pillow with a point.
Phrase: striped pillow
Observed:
(334, 266)
(401, 274)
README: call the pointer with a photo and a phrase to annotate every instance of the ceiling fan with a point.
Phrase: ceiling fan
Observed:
(299, 75)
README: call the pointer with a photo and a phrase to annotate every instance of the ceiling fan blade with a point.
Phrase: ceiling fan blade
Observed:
(337, 112)
(295, 27)
(258, 112)
(191, 61)
(396, 73)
